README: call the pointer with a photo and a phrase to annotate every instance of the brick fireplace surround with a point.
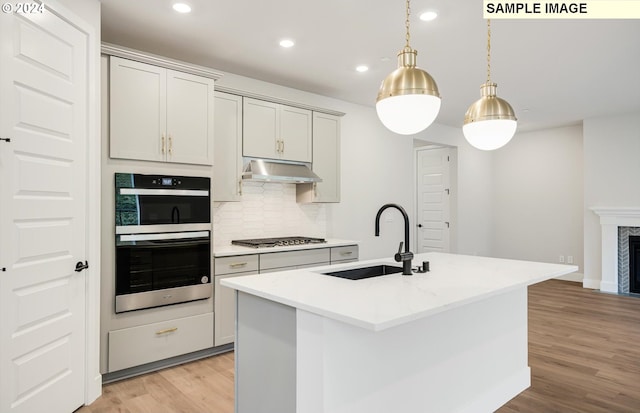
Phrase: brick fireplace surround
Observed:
(612, 220)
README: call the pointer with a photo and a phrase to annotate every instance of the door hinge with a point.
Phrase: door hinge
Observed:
(447, 190)
(447, 224)
(5, 139)
(4, 269)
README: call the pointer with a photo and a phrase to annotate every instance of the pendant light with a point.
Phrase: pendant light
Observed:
(408, 100)
(490, 122)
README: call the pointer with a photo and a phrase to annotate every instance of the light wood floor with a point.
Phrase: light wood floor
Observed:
(584, 353)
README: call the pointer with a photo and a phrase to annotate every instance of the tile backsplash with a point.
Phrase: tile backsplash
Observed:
(267, 210)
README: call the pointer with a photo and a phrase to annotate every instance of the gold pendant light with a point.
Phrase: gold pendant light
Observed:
(408, 100)
(490, 122)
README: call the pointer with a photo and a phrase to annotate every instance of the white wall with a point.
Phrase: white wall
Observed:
(538, 196)
(611, 179)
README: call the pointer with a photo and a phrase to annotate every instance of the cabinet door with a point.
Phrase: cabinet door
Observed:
(225, 310)
(137, 110)
(227, 138)
(190, 116)
(260, 129)
(295, 134)
(326, 157)
(326, 161)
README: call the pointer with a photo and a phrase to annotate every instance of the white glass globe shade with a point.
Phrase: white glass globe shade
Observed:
(490, 134)
(408, 114)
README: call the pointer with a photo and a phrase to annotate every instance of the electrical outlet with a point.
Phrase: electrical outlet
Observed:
(569, 259)
(561, 259)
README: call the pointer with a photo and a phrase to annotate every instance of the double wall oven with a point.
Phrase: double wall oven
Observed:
(163, 240)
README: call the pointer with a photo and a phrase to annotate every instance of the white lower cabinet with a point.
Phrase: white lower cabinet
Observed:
(235, 266)
(224, 300)
(135, 346)
(225, 310)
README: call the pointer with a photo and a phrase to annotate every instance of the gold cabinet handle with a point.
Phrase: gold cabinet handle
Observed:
(163, 145)
(346, 253)
(237, 264)
(315, 189)
(240, 187)
(166, 331)
(170, 145)
(282, 146)
(278, 145)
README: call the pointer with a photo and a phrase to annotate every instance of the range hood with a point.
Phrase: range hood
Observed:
(274, 171)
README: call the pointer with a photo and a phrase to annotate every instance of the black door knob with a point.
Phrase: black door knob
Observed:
(80, 266)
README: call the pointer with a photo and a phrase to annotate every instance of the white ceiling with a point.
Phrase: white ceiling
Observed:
(553, 72)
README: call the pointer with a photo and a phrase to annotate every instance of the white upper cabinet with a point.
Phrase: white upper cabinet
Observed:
(326, 161)
(275, 131)
(137, 110)
(159, 114)
(227, 167)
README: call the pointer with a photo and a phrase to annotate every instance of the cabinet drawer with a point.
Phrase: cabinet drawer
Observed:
(294, 258)
(348, 253)
(135, 346)
(235, 264)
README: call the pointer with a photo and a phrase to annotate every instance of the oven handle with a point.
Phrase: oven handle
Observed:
(164, 236)
(170, 192)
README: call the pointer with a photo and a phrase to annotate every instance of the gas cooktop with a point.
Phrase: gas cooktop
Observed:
(277, 242)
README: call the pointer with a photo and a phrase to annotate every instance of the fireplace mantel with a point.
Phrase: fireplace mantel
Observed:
(610, 220)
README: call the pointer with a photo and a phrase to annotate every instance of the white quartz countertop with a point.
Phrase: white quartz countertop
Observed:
(233, 250)
(386, 301)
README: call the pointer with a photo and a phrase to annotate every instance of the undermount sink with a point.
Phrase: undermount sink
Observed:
(365, 272)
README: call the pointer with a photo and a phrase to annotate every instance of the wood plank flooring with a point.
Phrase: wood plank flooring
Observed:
(584, 353)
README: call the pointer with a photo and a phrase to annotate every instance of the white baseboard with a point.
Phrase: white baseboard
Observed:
(574, 277)
(500, 394)
(591, 283)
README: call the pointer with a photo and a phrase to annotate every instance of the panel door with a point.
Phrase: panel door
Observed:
(137, 110)
(190, 118)
(43, 110)
(326, 157)
(295, 133)
(433, 200)
(227, 168)
(261, 129)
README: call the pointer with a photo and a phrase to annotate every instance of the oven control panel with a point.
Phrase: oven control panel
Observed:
(166, 181)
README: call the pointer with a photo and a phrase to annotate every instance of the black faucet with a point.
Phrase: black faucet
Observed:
(407, 255)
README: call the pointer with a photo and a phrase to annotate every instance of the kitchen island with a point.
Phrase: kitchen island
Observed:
(453, 339)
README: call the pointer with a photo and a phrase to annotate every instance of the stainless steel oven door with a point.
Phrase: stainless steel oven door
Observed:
(159, 269)
(142, 201)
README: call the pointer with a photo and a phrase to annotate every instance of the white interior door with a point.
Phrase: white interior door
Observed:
(433, 198)
(43, 111)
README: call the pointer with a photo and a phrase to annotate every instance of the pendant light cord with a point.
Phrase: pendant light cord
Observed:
(488, 51)
(406, 23)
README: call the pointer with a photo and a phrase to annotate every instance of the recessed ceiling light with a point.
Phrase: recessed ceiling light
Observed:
(362, 68)
(286, 43)
(428, 16)
(181, 7)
